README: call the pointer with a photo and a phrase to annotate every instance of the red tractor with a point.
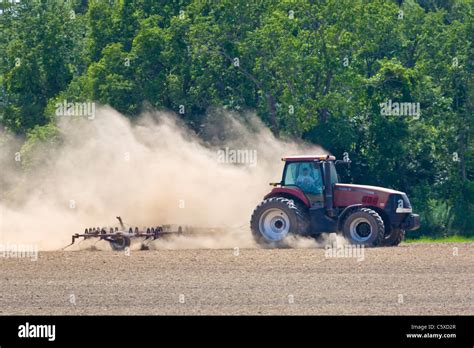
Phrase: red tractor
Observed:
(309, 201)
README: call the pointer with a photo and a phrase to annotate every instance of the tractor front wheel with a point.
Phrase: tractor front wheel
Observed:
(277, 217)
(394, 237)
(364, 227)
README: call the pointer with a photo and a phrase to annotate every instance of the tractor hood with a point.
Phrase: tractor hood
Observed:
(365, 188)
(348, 194)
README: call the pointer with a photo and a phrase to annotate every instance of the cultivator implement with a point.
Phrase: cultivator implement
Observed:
(120, 237)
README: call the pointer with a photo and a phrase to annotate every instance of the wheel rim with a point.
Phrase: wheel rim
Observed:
(360, 229)
(119, 243)
(274, 224)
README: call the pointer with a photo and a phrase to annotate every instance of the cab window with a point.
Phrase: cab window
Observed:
(305, 175)
(334, 177)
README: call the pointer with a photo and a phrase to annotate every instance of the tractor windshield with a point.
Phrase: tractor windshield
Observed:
(305, 175)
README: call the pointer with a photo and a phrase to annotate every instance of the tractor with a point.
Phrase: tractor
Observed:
(309, 200)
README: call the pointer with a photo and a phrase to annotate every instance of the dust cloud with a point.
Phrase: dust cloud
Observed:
(150, 171)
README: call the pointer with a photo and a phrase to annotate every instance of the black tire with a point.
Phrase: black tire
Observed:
(288, 218)
(364, 226)
(394, 237)
(119, 243)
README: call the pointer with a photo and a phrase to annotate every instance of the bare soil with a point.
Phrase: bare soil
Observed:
(415, 279)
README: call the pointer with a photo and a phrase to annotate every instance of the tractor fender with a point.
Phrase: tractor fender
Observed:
(290, 193)
(344, 213)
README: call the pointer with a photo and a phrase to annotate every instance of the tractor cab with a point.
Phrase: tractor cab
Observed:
(307, 174)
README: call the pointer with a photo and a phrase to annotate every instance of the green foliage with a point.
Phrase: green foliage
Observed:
(36, 139)
(312, 70)
(437, 219)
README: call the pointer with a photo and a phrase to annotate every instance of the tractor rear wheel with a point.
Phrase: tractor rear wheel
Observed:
(364, 227)
(277, 217)
(394, 237)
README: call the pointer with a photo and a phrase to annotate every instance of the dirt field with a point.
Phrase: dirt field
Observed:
(409, 279)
